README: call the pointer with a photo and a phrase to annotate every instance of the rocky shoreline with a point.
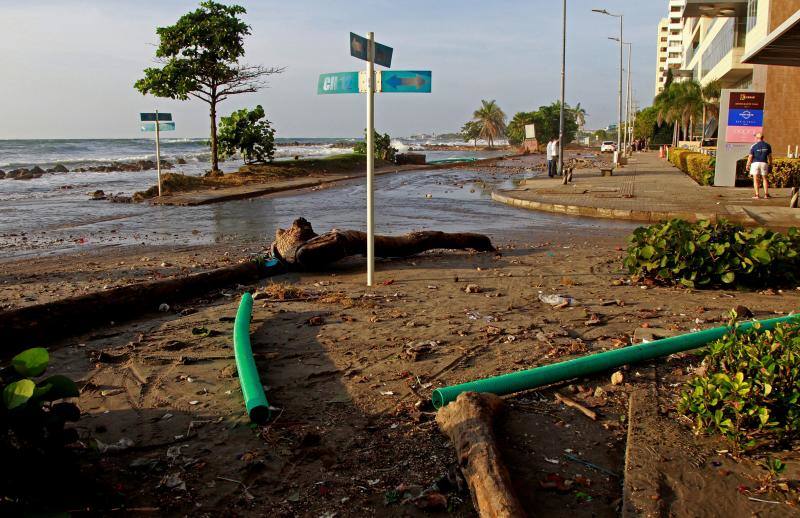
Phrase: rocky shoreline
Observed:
(25, 173)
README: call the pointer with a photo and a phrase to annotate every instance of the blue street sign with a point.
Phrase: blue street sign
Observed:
(358, 49)
(746, 117)
(150, 117)
(405, 81)
(162, 126)
(338, 83)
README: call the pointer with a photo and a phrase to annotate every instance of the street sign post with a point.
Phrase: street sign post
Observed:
(369, 82)
(157, 122)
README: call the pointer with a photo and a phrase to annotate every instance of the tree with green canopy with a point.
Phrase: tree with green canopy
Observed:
(247, 132)
(492, 121)
(200, 57)
(471, 130)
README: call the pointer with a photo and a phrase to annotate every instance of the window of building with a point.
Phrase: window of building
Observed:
(731, 35)
(752, 14)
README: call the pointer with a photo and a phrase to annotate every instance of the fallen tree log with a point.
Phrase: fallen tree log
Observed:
(301, 247)
(468, 422)
(31, 325)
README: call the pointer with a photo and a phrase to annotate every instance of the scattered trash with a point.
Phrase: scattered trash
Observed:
(557, 482)
(316, 321)
(617, 378)
(551, 461)
(387, 393)
(472, 288)
(593, 320)
(201, 331)
(163, 307)
(558, 301)
(173, 481)
(120, 445)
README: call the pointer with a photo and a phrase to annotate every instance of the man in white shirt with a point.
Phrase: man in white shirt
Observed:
(552, 158)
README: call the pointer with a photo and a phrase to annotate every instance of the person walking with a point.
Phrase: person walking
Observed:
(758, 163)
(551, 158)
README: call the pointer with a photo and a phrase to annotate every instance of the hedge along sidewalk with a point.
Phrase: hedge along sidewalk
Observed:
(650, 189)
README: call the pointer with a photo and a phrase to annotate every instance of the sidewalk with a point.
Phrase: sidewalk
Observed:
(650, 189)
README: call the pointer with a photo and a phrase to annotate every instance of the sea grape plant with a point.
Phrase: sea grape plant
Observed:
(750, 387)
(707, 254)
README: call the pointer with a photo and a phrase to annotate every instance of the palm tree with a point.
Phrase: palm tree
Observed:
(680, 104)
(580, 116)
(491, 119)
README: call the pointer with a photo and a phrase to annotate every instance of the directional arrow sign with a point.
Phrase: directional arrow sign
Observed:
(358, 49)
(338, 83)
(405, 81)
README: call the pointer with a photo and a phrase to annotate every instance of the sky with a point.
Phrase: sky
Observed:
(68, 66)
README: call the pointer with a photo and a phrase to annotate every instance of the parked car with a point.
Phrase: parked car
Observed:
(608, 146)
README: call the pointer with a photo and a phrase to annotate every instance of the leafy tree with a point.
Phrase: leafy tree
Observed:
(471, 130)
(600, 135)
(515, 132)
(646, 123)
(492, 121)
(383, 147)
(548, 121)
(200, 58)
(247, 132)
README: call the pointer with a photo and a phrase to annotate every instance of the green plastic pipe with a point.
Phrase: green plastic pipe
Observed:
(253, 392)
(578, 367)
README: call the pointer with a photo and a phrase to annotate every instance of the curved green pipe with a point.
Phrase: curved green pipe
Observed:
(253, 392)
(547, 374)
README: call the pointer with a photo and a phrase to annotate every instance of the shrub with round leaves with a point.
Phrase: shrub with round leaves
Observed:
(750, 389)
(706, 254)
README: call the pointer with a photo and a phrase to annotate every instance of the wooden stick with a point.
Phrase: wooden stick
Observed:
(577, 406)
(468, 423)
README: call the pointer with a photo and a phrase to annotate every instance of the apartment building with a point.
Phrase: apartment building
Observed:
(670, 43)
(716, 35)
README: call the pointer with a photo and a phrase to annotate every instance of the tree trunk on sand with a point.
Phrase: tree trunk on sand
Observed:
(214, 152)
(300, 246)
(468, 423)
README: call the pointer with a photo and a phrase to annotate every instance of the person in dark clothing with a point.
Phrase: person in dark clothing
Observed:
(758, 163)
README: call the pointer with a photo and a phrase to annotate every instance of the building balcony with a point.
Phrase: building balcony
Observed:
(727, 8)
(730, 69)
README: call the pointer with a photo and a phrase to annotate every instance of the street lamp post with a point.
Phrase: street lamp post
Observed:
(627, 137)
(565, 180)
(619, 99)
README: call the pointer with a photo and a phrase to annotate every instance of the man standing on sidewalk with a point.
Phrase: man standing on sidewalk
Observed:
(550, 162)
(758, 163)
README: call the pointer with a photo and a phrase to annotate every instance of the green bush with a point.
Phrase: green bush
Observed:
(244, 132)
(32, 433)
(383, 147)
(785, 172)
(706, 254)
(750, 389)
(697, 165)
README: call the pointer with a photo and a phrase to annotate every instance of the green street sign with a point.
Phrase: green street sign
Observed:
(150, 117)
(338, 83)
(405, 81)
(358, 49)
(162, 126)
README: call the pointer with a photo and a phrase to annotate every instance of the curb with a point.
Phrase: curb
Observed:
(619, 214)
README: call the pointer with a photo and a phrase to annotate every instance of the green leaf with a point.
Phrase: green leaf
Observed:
(647, 252)
(767, 389)
(32, 362)
(18, 393)
(760, 255)
(61, 387)
(728, 277)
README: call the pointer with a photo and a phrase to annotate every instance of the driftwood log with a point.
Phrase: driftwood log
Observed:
(300, 247)
(468, 422)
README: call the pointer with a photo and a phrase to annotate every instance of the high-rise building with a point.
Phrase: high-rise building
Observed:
(715, 36)
(670, 43)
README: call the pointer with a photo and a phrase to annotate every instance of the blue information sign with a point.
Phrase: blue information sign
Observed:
(405, 81)
(745, 117)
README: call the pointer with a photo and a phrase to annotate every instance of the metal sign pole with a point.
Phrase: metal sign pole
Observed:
(370, 159)
(158, 155)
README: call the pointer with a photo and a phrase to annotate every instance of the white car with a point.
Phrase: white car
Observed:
(608, 146)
